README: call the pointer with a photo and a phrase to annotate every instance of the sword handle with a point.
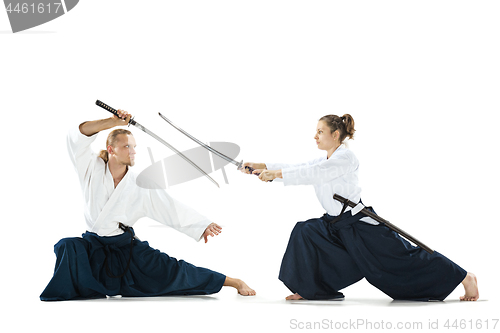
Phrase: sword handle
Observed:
(250, 169)
(113, 111)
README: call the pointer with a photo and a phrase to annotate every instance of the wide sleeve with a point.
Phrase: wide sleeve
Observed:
(320, 170)
(281, 166)
(80, 153)
(163, 208)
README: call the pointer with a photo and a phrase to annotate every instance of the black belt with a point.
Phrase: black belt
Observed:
(108, 271)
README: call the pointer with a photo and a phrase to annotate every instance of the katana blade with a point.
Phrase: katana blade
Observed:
(148, 132)
(221, 155)
(383, 221)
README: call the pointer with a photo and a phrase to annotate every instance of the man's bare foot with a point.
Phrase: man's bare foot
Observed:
(242, 287)
(471, 290)
(294, 297)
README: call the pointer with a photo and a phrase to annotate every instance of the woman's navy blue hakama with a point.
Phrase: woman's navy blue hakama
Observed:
(322, 258)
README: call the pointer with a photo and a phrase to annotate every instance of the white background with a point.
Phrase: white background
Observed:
(421, 80)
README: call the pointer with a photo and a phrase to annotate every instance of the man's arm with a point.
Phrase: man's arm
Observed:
(90, 128)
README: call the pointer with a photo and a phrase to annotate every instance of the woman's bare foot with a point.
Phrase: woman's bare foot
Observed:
(242, 287)
(471, 290)
(294, 297)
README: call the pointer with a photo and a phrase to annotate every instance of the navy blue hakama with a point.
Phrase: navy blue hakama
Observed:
(322, 258)
(80, 271)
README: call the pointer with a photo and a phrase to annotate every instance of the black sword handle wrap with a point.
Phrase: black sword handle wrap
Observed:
(250, 169)
(113, 111)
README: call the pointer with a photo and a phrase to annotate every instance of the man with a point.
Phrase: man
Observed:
(108, 260)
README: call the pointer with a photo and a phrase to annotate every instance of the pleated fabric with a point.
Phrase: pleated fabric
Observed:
(323, 258)
(80, 270)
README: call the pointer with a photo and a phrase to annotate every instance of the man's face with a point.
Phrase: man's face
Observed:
(124, 150)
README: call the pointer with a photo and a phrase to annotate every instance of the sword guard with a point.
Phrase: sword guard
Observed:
(131, 122)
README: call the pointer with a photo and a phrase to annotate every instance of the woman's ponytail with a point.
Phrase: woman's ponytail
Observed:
(349, 126)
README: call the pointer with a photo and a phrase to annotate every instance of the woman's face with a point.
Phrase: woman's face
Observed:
(324, 139)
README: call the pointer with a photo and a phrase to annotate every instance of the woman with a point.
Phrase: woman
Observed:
(326, 254)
